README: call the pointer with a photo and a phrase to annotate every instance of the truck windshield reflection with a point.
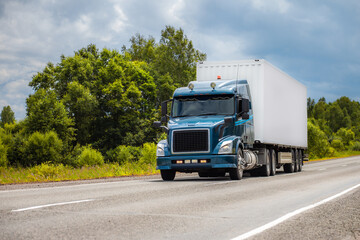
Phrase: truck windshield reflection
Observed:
(203, 105)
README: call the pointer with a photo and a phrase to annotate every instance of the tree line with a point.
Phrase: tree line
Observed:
(333, 126)
(100, 101)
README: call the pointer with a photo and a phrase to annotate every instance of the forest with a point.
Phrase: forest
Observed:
(96, 108)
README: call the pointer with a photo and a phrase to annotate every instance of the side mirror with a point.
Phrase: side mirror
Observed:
(157, 124)
(164, 119)
(164, 108)
(244, 105)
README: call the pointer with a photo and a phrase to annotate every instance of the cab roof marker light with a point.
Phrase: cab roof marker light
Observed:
(191, 86)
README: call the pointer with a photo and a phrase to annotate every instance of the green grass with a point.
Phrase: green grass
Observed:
(53, 173)
(339, 155)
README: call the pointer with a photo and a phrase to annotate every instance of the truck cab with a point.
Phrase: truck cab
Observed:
(209, 123)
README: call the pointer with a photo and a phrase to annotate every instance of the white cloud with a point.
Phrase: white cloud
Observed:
(280, 6)
(174, 13)
(120, 22)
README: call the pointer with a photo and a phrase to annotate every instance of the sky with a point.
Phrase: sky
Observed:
(315, 42)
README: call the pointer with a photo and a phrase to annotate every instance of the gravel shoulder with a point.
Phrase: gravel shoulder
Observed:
(338, 219)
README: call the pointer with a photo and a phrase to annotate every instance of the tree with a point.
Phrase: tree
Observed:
(46, 113)
(141, 49)
(83, 108)
(310, 107)
(318, 146)
(172, 61)
(7, 116)
(107, 96)
(177, 56)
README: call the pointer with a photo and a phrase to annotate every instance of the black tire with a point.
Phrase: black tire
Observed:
(266, 169)
(237, 173)
(273, 163)
(296, 166)
(203, 174)
(289, 167)
(300, 160)
(168, 175)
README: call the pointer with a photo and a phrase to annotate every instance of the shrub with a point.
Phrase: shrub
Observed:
(89, 157)
(3, 155)
(318, 146)
(346, 135)
(337, 144)
(47, 170)
(40, 148)
(356, 146)
(148, 153)
(122, 154)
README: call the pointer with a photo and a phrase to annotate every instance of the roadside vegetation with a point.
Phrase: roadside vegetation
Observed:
(333, 128)
(91, 114)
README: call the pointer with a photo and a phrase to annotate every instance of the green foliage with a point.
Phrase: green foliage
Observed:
(40, 148)
(47, 170)
(46, 113)
(7, 116)
(89, 157)
(83, 107)
(318, 146)
(355, 146)
(339, 121)
(172, 61)
(346, 135)
(3, 155)
(337, 144)
(148, 154)
(122, 154)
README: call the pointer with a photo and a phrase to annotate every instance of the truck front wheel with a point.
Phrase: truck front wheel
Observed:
(167, 175)
(237, 173)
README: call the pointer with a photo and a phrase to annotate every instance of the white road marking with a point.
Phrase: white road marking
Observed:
(127, 182)
(51, 205)
(291, 214)
(322, 169)
(344, 165)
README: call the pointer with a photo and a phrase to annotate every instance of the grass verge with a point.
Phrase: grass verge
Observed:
(52, 173)
(338, 155)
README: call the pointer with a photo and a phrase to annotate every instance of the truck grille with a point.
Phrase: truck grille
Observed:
(191, 141)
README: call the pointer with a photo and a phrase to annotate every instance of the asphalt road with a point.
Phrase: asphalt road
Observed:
(187, 208)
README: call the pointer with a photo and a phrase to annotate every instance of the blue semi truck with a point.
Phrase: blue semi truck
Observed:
(238, 116)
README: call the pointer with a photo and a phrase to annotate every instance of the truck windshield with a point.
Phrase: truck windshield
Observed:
(203, 105)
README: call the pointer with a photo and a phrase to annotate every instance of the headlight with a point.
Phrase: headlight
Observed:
(160, 150)
(226, 147)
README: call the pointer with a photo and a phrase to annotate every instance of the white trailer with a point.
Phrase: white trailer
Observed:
(278, 100)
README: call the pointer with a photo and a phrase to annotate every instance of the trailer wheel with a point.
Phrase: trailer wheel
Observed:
(237, 173)
(296, 166)
(289, 167)
(273, 162)
(266, 169)
(300, 157)
(167, 175)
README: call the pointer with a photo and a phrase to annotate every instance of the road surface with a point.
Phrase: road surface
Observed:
(187, 208)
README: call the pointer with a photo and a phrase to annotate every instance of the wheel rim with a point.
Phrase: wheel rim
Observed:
(240, 167)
